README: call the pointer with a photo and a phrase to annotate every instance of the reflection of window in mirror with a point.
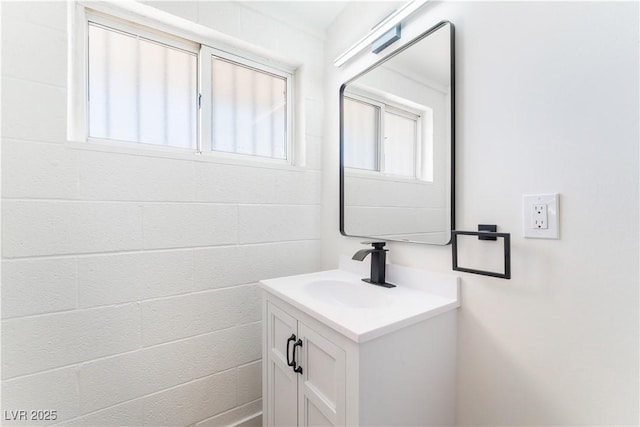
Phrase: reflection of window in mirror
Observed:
(400, 141)
(390, 138)
(361, 134)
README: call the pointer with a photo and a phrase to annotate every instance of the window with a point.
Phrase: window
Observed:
(249, 107)
(361, 134)
(141, 90)
(146, 86)
(381, 137)
(400, 142)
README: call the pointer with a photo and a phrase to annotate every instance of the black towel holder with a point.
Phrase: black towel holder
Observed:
(483, 235)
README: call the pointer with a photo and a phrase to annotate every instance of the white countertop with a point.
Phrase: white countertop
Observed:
(418, 295)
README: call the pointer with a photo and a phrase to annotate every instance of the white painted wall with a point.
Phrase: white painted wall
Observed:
(547, 101)
(129, 292)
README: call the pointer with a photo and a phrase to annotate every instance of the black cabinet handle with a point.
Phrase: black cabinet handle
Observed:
(289, 362)
(297, 369)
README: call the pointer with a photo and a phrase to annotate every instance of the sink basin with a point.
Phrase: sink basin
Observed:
(361, 311)
(348, 294)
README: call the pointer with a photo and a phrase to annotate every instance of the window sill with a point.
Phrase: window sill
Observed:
(372, 175)
(182, 154)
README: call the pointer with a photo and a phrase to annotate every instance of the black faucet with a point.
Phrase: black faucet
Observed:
(378, 263)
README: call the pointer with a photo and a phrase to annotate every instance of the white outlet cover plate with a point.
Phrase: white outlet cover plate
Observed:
(553, 216)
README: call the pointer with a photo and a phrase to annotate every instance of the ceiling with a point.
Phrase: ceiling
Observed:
(311, 16)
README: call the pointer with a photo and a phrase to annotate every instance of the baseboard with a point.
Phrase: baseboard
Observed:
(254, 420)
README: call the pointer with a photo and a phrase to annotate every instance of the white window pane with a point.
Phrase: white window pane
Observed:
(399, 144)
(360, 134)
(223, 115)
(248, 114)
(181, 98)
(141, 91)
(152, 57)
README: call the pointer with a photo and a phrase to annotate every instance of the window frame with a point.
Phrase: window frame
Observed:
(379, 130)
(131, 20)
(205, 61)
(400, 110)
(149, 35)
(417, 142)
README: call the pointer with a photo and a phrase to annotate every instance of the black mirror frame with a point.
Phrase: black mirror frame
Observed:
(453, 124)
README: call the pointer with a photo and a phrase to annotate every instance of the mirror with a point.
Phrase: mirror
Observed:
(397, 144)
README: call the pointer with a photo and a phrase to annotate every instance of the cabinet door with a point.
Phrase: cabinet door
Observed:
(321, 387)
(282, 395)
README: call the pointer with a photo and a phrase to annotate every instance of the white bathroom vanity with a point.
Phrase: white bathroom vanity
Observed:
(338, 351)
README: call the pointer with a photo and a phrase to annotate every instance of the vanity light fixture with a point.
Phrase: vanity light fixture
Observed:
(387, 39)
(385, 26)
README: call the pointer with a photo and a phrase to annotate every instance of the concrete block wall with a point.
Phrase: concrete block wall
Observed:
(129, 292)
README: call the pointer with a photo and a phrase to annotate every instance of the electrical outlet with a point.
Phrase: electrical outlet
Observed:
(540, 216)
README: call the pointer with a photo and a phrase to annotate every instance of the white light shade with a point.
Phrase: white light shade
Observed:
(379, 30)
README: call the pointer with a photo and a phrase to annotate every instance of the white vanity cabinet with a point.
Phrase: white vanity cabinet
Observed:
(406, 377)
(341, 352)
(305, 373)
